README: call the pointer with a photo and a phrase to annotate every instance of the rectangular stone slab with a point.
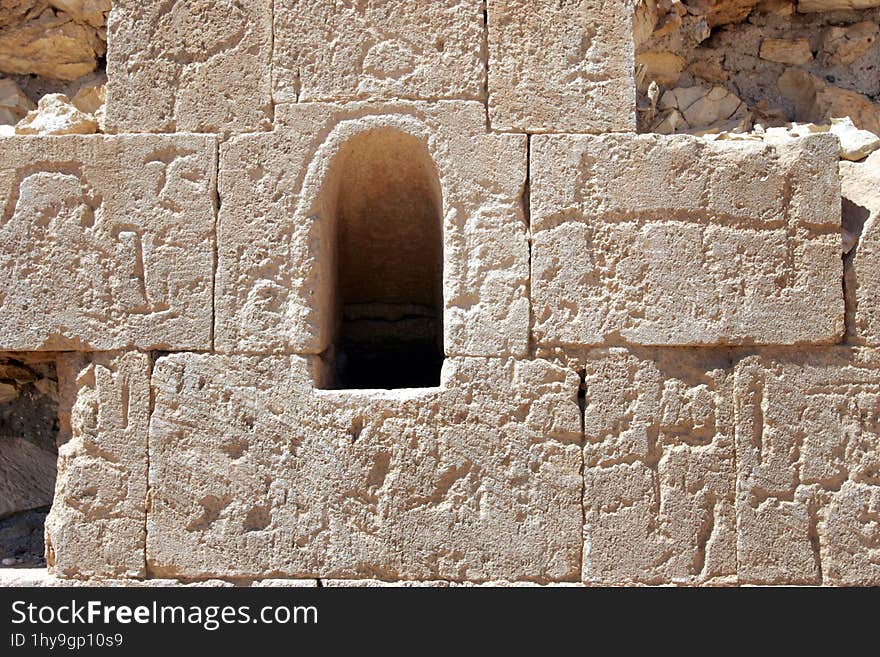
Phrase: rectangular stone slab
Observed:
(561, 66)
(195, 66)
(659, 467)
(96, 526)
(808, 455)
(274, 289)
(106, 242)
(678, 241)
(326, 50)
(254, 473)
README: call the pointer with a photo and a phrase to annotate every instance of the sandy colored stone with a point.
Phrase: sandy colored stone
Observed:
(37, 40)
(663, 67)
(807, 6)
(326, 50)
(817, 101)
(787, 51)
(561, 68)
(106, 242)
(14, 105)
(855, 144)
(27, 475)
(253, 472)
(808, 458)
(56, 115)
(96, 525)
(844, 45)
(659, 467)
(679, 241)
(195, 66)
(860, 187)
(274, 289)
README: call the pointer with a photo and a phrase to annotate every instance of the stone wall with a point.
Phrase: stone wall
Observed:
(659, 355)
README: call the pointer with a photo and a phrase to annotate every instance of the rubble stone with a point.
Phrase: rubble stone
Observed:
(56, 115)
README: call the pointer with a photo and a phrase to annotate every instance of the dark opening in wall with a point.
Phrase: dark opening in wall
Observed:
(386, 202)
(29, 433)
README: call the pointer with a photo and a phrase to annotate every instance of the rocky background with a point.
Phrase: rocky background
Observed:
(52, 56)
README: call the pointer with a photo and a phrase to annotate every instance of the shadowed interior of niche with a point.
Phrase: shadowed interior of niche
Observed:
(388, 285)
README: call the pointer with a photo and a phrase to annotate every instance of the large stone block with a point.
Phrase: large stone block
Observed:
(561, 66)
(194, 66)
(96, 525)
(327, 50)
(255, 473)
(659, 467)
(860, 188)
(808, 454)
(678, 241)
(280, 195)
(106, 242)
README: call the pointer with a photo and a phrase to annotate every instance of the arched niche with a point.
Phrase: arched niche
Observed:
(383, 200)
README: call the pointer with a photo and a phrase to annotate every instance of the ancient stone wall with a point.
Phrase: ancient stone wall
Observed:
(396, 292)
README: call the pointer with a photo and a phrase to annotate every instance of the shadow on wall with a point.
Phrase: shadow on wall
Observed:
(383, 198)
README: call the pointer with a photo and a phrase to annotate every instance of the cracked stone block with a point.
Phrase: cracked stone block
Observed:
(195, 66)
(282, 195)
(106, 242)
(670, 241)
(561, 67)
(255, 473)
(96, 528)
(860, 188)
(328, 51)
(659, 467)
(808, 480)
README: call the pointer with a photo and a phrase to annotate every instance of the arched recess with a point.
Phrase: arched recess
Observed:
(383, 197)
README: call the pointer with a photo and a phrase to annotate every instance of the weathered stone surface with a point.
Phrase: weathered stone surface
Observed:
(561, 67)
(787, 51)
(195, 66)
(14, 105)
(659, 467)
(96, 525)
(254, 473)
(806, 6)
(276, 229)
(106, 242)
(678, 241)
(328, 51)
(808, 455)
(860, 187)
(817, 101)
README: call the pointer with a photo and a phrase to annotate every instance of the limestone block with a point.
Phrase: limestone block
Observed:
(255, 473)
(808, 455)
(561, 67)
(659, 467)
(276, 229)
(96, 525)
(860, 187)
(106, 242)
(326, 50)
(195, 66)
(679, 241)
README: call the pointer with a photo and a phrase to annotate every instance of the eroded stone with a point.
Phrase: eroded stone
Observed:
(195, 66)
(557, 67)
(659, 467)
(808, 455)
(106, 242)
(96, 526)
(328, 51)
(254, 472)
(678, 241)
